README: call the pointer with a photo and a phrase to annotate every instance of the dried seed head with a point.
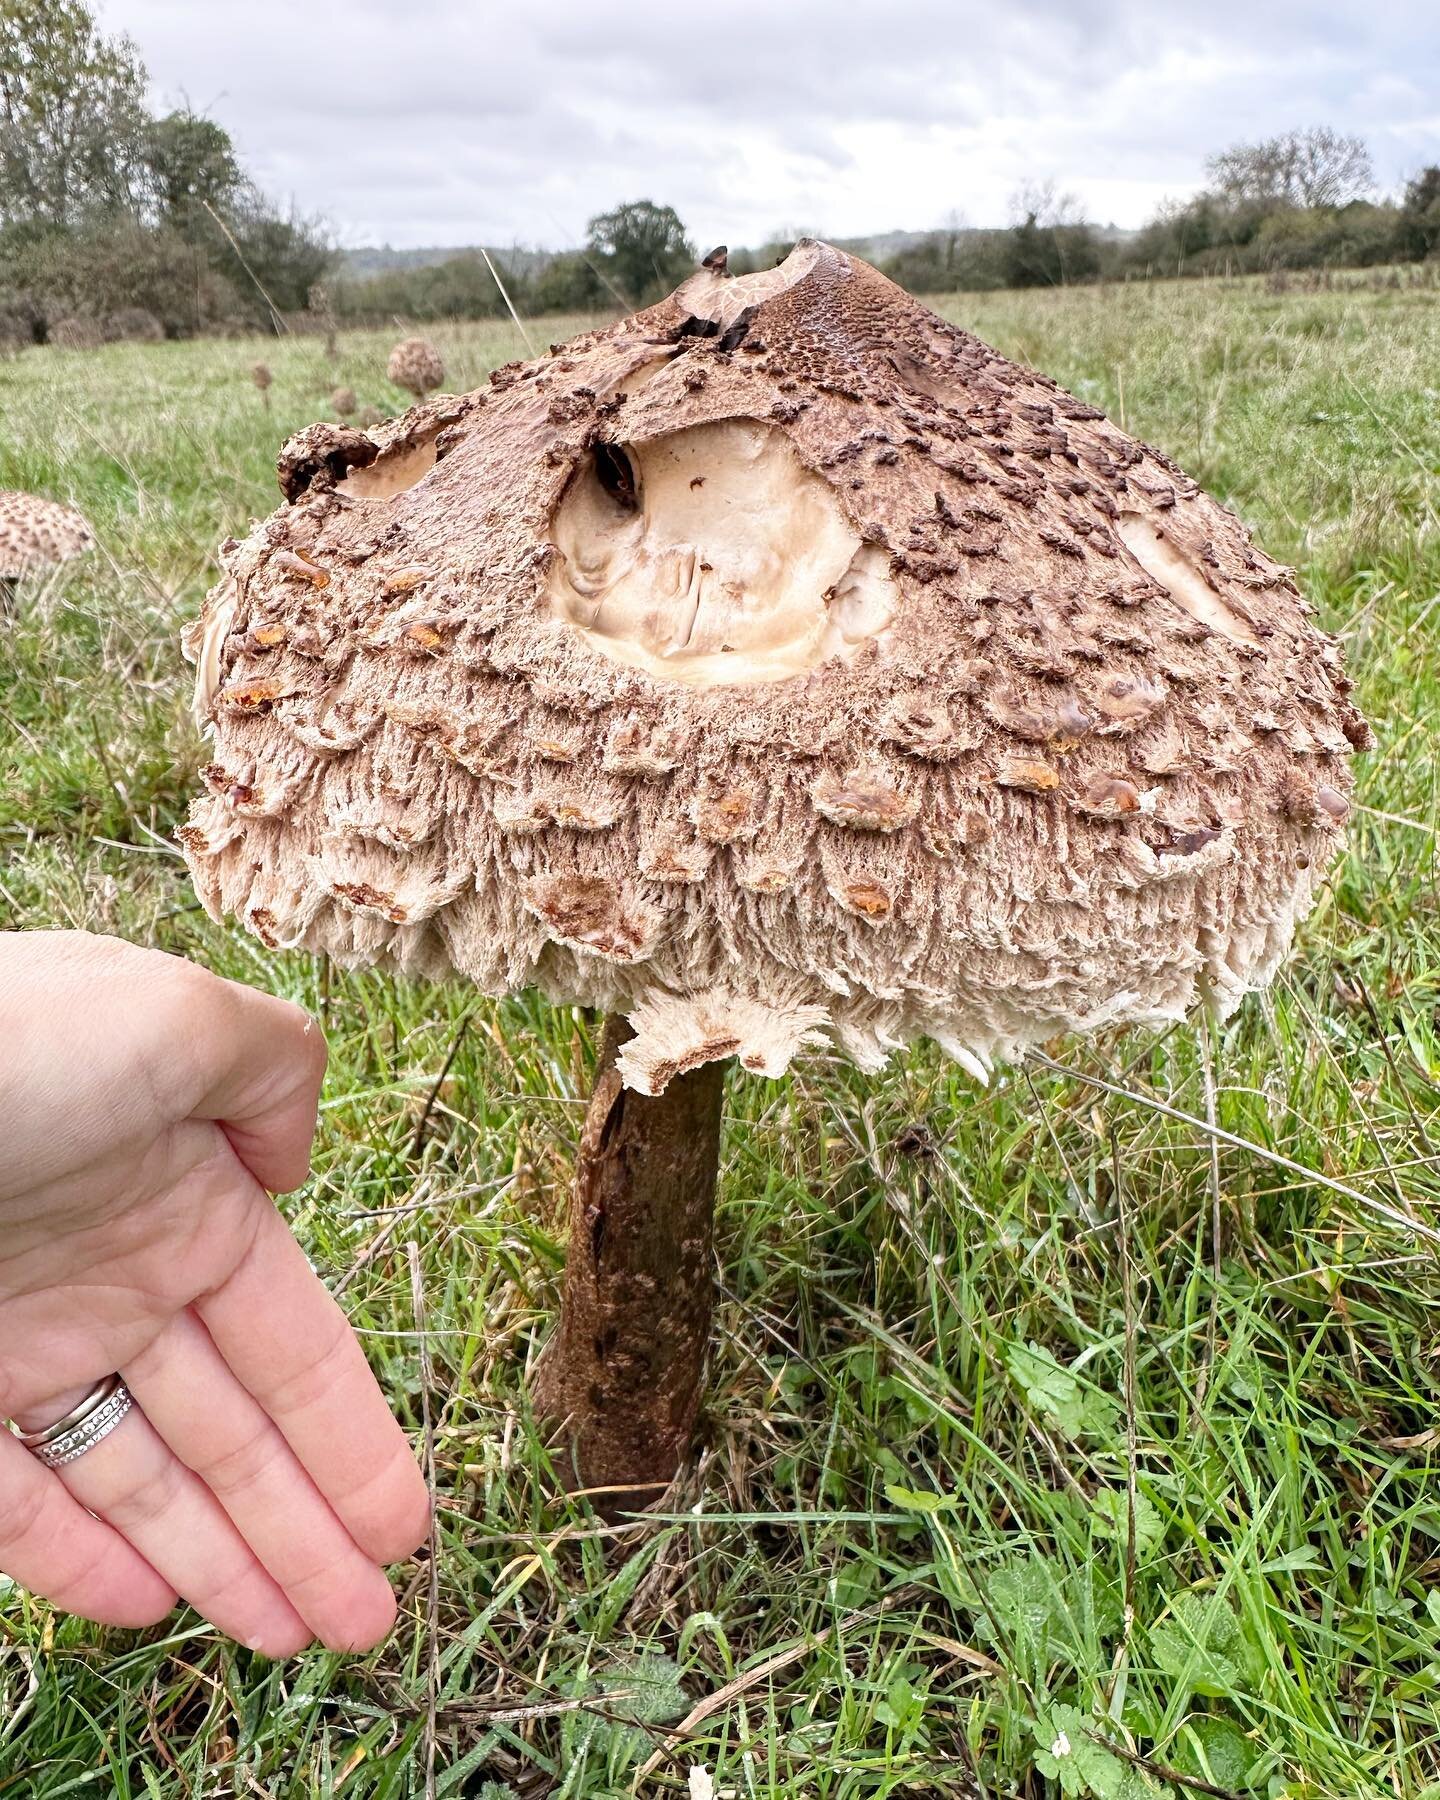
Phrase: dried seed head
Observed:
(36, 534)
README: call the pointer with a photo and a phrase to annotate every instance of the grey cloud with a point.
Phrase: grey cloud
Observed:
(442, 121)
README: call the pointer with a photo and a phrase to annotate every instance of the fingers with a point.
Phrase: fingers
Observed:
(137, 1485)
(215, 1427)
(264, 1061)
(164, 1041)
(289, 1343)
(51, 1545)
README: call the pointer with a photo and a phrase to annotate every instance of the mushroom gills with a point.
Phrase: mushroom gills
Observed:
(713, 556)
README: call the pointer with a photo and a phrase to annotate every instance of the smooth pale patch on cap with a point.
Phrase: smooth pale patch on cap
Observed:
(713, 556)
(37, 534)
(1162, 561)
(713, 293)
(203, 641)
(393, 472)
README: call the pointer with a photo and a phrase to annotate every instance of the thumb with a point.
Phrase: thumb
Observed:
(264, 1061)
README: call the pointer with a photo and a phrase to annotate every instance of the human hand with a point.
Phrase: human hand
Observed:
(146, 1107)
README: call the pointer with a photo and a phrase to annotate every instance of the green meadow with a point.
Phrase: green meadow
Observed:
(1079, 1435)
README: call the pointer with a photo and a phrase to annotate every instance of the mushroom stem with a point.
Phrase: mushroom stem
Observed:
(622, 1376)
(9, 587)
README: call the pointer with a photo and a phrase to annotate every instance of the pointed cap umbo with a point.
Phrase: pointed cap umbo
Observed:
(779, 665)
(37, 534)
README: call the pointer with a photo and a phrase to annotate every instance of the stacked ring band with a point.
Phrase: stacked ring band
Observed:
(83, 1427)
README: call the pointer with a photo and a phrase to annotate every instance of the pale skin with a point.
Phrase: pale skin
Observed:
(148, 1111)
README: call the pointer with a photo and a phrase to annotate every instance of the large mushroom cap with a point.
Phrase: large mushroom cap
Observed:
(779, 662)
(415, 365)
(36, 534)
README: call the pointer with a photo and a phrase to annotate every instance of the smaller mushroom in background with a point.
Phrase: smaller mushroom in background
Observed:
(36, 534)
(415, 365)
(343, 402)
(369, 416)
(261, 376)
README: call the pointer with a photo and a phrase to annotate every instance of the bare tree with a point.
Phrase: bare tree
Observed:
(1315, 167)
(1041, 203)
(1331, 168)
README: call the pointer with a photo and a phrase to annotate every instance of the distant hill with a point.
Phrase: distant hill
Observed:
(885, 244)
(381, 259)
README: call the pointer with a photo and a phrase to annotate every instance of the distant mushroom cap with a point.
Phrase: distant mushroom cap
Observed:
(416, 366)
(37, 533)
(779, 665)
(343, 402)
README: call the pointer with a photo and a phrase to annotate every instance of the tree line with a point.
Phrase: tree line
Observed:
(1299, 200)
(1302, 199)
(117, 222)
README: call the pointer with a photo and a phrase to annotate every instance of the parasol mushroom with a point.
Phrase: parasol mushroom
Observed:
(778, 666)
(36, 534)
(343, 402)
(415, 365)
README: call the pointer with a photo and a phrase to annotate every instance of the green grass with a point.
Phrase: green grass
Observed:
(959, 1328)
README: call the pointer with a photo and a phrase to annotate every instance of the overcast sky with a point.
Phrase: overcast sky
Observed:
(447, 122)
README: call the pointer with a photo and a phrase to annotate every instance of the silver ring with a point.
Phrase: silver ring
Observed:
(83, 1427)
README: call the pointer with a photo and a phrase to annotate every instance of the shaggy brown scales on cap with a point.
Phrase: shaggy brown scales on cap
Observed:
(36, 534)
(779, 664)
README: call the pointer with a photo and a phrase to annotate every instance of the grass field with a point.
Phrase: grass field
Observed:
(956, 1324)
